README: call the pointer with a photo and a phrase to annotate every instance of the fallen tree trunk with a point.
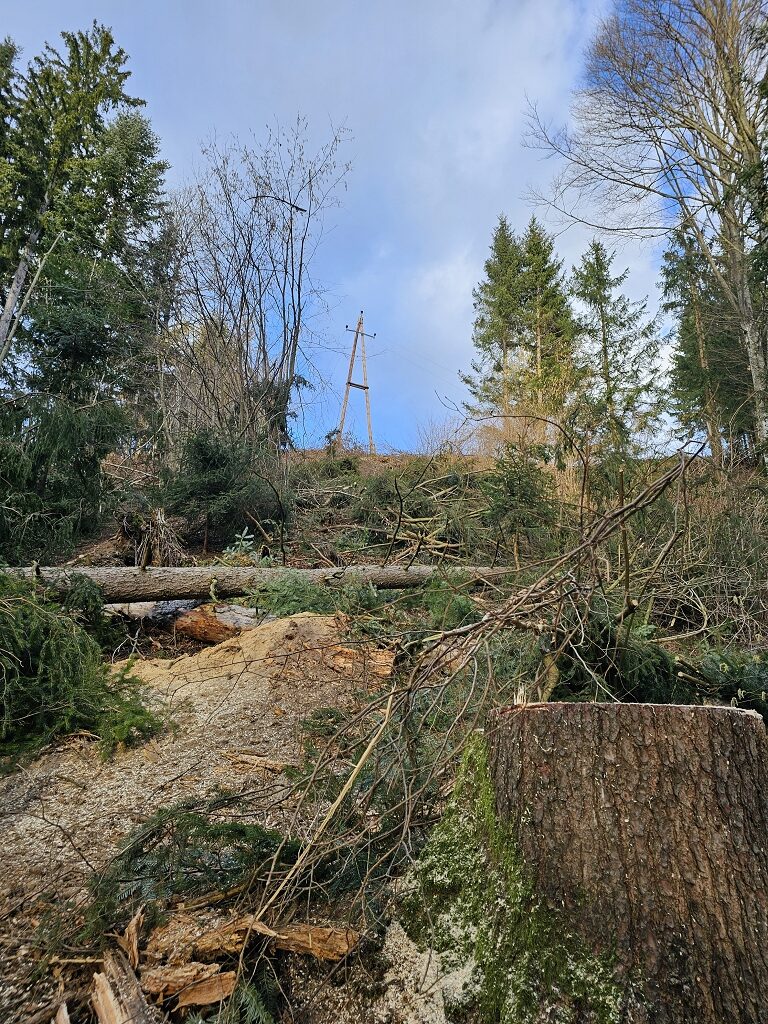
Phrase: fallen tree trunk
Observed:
(646, 826)
(126, 583)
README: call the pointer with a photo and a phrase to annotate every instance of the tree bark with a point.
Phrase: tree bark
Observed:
(128, 583)
(647, 827)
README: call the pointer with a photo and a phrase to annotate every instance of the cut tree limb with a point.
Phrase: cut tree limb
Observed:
(127, 583)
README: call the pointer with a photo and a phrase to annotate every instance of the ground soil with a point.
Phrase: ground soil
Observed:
(66, 814)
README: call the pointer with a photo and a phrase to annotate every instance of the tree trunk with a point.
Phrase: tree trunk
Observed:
(127, 583)
(14, 293)
(647, 827)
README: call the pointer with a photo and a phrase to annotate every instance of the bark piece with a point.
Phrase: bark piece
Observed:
(62, 1015)
(647, 827)
(117, 997)
(127, 583)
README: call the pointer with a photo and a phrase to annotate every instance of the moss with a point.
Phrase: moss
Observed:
(473, 899)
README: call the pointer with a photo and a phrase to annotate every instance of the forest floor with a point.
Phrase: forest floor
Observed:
(236, 712)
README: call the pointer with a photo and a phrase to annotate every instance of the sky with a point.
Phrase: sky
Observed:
(433, 94)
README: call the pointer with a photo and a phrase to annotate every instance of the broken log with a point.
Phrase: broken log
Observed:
(117, 997)
(645, 827)
(127, 583)
(211, 990)
(194, 984)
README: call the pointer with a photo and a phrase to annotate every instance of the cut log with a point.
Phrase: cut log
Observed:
(646, 826)
(154, 584)
(204, 624)
(117, 997)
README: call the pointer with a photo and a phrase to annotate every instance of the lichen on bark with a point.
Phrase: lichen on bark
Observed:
(472, 901)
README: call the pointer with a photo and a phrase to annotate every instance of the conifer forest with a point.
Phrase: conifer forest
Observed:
(333, 690)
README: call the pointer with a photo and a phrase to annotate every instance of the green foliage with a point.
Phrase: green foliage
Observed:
(291, 593)
(710, 377)
(218, 481)
(620, 356)
(80, 188)
(524, 327)
(606, 661)
(739, 678)
(474, 902)
(448, 606)
(184, 850)
(53, 679)
(520, 490)
(51, 453)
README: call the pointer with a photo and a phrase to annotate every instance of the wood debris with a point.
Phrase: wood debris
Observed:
(325, 943)
(164, 982)
(212, 990)
(129, 940)
(243, 760)
(117, 997)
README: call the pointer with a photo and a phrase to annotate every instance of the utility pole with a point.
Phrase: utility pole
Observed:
(360, 336)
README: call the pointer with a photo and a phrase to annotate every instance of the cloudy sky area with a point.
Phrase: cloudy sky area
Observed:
(434, 94)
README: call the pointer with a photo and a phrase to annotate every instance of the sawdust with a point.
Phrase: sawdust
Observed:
(66, 814)
(403, 984)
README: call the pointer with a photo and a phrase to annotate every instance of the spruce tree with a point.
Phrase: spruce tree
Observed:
(497, 325)
(548, 374)
(711, 383)
(524, 329)
(619, 350)
(82, 187)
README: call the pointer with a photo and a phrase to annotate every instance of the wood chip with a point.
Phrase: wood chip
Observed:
(231, 936)
(240, 759)
(62, 1015)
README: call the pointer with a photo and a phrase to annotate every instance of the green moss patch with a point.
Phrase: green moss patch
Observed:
(472, 898)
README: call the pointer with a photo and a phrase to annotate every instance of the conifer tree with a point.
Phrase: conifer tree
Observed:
(619, 350)
(80, 276)
(497, 325)
(524, 328)
(549, 375)
(711, 384)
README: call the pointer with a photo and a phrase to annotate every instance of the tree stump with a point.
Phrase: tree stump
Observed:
(646, 826)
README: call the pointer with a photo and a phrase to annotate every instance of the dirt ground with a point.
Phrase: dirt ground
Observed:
(66, 814)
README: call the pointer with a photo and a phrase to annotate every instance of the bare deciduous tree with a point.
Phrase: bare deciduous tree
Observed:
(668, 118)
(249, 227)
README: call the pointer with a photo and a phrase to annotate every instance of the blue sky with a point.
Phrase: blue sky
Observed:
(434, 94)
